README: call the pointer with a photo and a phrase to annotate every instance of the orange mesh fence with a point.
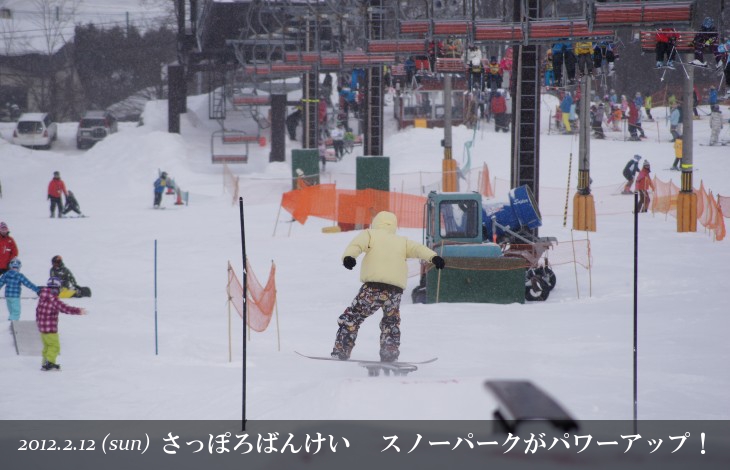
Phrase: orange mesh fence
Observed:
(353, 206)
(709, 212)
(665, 197)
(723, 203)
(701, 198)
(230, 183)
(260, 300)
(485, 183)
(704, 212)
(719, 221)
(713, 220)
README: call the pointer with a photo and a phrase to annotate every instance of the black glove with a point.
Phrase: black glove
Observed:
(349, 262)
(438, 262)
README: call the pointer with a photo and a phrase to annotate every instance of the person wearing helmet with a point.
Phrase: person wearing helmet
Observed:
(643, 184)
(160, 184)
(12, 281)
(56, 190)
(707, 37)
(46, 317)
(631, 168)
(69, 287)
(8, 248)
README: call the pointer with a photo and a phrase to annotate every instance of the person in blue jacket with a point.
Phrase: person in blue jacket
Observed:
(563, 54)
(12, 281)
(712, 96)
(160, 184)
(565, 107)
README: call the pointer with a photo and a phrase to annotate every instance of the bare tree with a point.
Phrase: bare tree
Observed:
(12, 38)
(55, 21)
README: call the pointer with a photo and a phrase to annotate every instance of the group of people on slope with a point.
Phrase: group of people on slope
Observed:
(61, 284)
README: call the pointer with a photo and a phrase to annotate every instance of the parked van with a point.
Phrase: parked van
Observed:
(35, 130)
(93, 127)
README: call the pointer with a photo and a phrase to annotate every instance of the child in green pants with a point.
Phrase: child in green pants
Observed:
(46, 316)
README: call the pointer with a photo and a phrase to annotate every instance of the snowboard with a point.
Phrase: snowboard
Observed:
(719, 144)
(375, 367)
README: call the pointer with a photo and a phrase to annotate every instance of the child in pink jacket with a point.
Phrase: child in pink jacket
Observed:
(46, 317)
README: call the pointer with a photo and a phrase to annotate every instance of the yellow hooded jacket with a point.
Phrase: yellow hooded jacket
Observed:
(385, 252)
(583, 47)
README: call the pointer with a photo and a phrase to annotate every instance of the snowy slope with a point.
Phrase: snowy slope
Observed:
(577, 347)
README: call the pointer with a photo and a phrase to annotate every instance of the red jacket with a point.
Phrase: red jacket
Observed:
(56, 188)
(633, 113)
(666, 35)
(643, 181)
(499, 105)
(8, 250)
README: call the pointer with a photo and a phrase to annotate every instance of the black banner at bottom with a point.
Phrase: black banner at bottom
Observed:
(382, 445)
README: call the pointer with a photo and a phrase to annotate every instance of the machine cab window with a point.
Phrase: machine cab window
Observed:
(459, 218)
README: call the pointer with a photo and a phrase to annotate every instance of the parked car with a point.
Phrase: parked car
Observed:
(35, 130)
(93, 127)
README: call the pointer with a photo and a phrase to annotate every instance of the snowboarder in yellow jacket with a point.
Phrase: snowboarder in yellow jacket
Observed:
(384, 274)
(584, 56)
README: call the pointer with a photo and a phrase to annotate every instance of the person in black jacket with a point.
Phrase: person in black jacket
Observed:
(72, 204)
(69, 287)
(292, 122)
(631, 169)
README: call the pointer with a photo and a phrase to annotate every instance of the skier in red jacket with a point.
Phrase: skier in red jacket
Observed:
(56, 189)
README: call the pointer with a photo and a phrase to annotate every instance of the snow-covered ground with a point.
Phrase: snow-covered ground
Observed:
(576, 346)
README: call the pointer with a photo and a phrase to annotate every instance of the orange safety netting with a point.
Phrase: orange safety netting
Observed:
(724, 203)
(485, 183)
(356, 207)
(260, 300)
(665, 197)
(709, 212)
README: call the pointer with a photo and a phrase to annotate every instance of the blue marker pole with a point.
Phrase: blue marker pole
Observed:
(156, 350)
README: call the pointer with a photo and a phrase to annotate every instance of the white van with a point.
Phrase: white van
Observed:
(35, 130)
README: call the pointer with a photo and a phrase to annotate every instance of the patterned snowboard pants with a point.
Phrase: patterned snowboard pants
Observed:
(371, 297)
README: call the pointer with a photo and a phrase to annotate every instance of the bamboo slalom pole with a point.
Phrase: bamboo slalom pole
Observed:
(575, 264)
(590, 272)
